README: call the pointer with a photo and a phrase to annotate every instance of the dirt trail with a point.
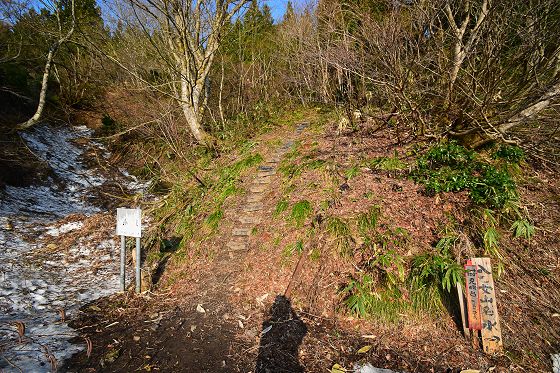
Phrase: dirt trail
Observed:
(197, 334)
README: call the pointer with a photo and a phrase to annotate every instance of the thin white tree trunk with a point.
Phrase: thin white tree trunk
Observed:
(46, 73)
(42, 95)
(532, 110)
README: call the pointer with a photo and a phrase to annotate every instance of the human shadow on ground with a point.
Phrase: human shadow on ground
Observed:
(281, 335)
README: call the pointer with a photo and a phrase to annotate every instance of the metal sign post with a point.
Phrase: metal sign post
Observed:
(129, 223)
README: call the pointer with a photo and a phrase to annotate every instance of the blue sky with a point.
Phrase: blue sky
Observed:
(278, 8)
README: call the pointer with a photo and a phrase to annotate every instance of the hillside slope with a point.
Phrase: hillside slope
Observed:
(303, 249)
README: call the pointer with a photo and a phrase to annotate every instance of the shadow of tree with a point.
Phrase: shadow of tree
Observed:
(281, 336)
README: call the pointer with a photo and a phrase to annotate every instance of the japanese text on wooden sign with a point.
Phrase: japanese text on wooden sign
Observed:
(481, 306)
(473, 301)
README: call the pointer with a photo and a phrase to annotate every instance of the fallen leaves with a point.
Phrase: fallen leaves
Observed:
(20, 327)
(364, 349)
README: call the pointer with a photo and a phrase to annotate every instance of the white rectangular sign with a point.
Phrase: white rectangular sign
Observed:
(129, 222)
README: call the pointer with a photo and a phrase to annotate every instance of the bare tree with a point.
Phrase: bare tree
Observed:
(184, 37)
(62, 37)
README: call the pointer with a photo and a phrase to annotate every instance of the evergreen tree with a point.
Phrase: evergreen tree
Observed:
(290, 14)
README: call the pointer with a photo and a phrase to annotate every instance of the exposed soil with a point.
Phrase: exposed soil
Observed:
(248, 324)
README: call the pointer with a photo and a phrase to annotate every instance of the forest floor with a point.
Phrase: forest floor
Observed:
(226, 307)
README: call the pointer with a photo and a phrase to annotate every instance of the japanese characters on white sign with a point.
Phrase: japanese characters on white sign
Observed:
(129, 222)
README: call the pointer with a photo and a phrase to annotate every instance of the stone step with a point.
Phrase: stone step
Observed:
(266, 173)
(287, 145)
(250, 219)
(255, 206)
(236, 245)
(257, 188)
(241, 231)
(300, 127)
(255, 197)
(262, 180)
(266, 168)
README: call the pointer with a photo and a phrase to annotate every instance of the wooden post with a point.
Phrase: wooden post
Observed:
(460, 295)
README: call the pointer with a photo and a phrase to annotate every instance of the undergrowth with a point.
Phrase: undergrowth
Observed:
(490, 182)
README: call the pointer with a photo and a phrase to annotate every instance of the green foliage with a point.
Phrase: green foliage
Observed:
(523, 228)
(447, 154)
(511, 154)
(367, 221)
(432, 276)
(340, 232)
(391, 265)
(491, 239)
(392, 238)
(363, 300)
(449, 167)
(290, 249)
(388, 163)
(214, 218)
(229, 175)
(290, 168)
(352, 172)
(493, 187)
(281, 206)
(300, 211)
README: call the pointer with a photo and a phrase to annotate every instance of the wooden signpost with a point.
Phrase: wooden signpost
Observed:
(481, 304)
(129, 223)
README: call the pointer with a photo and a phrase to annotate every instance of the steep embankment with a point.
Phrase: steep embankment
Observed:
(340, 228)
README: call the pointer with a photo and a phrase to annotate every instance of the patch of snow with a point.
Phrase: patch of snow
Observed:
(555, 363)
(368, 368)
(38, 281)
(68, 227)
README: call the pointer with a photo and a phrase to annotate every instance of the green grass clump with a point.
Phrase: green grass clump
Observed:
(385, 291)
(352, 172)
(281, 206)
(523, 228)
(300, 212)
(364, 300)
(292, 168)
(367, 221)
(293, 248)
(213, 220)
(432, 276)
(388, 163)
(339, 230)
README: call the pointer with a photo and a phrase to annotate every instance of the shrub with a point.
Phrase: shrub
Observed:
(449, 167)
(433, 275)
(511, 154)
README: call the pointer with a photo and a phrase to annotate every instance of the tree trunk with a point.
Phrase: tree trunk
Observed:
(532, 110)
(45, 81)
(192, 104)
(43, 94)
